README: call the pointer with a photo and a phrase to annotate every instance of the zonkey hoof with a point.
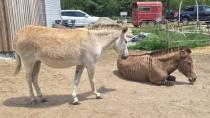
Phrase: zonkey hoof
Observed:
(34, 102)
(43, 99)
(170, 83)
(171, 78)
(75, 103)
(99, 97)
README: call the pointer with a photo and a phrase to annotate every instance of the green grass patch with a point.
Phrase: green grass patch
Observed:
(157, 39)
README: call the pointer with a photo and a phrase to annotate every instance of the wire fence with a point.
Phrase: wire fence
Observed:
(191, 30)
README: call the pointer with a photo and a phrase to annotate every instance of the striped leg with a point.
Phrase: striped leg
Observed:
(171, 78)
(165, 82)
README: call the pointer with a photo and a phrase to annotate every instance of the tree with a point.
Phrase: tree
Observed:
(114, 7)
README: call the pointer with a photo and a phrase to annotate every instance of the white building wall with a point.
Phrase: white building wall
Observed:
(52, 9)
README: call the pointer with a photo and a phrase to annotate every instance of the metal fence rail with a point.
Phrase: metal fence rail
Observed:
(177, 28)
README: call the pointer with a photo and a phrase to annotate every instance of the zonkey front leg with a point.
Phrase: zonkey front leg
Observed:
(91, 72)
(78, 73)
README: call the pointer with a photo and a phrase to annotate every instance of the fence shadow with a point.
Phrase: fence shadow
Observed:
(52, 100)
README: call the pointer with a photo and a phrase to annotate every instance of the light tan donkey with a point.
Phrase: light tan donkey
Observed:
(62, 48)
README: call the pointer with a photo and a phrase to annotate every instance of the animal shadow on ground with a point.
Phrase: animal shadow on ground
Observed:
(52, 100)
(116, 72)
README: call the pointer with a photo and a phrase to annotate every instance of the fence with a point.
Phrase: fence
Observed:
(14, 15)
(191, 28)
(170, 34)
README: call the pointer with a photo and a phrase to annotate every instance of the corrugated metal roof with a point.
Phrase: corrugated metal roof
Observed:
(156, 3)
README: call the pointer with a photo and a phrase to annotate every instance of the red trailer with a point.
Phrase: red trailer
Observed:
(146, 12)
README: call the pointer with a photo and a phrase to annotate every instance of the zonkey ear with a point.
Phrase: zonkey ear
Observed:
(188, 50)
(124, 30)
(183, 53)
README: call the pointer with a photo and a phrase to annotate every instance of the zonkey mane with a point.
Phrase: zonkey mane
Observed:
(105, 26)
(166, 51)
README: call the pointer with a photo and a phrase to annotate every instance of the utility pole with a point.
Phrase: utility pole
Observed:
(197, 13)
(168, 5)
(180, 7)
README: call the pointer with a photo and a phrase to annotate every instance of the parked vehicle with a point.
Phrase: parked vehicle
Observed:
(77, 17)
(146, 12)
(190, 14)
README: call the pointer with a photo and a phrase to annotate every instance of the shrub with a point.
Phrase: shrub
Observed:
(151, 42)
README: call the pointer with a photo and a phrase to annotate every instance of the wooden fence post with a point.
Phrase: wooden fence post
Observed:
(167, 35)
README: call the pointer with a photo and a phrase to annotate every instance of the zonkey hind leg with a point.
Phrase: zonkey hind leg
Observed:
(165, 82)
(162, 81)
(35, 81)
(159, 77)
(29, 78)
(32, 69)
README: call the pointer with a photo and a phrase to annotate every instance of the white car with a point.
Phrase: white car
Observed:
(81, 18)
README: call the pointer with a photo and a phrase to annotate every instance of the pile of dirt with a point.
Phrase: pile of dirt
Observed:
(103, 20)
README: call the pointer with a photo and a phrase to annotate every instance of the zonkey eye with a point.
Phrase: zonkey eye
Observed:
(126, 41)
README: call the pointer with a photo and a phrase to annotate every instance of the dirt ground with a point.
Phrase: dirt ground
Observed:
(121, 98)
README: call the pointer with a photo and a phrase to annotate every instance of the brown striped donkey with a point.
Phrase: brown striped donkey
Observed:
(157, 66)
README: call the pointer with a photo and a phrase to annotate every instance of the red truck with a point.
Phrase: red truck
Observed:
(146, 12)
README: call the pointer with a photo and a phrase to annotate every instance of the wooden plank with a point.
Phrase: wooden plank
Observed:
(8, 13)
(1, 22)
(3, 30)
(11, 18)
(28, 11)
(6, 28)
(37, 14)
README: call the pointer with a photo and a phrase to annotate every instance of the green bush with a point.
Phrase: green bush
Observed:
(151, 42)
